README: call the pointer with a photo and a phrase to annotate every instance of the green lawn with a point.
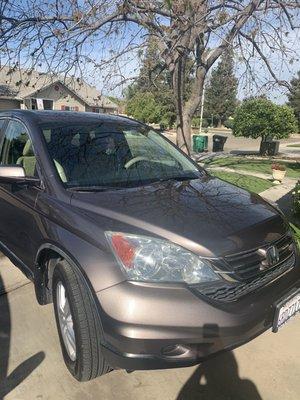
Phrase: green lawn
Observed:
(251, 183)
(246, 164)
(293, 145)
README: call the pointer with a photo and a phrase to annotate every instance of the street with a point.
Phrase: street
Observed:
(31, 365)
(237, 145)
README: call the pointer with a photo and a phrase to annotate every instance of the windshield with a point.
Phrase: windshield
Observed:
(113, 155)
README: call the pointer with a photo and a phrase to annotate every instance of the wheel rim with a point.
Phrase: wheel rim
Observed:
(65, 321)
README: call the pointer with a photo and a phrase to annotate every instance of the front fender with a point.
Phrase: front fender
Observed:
(97, 265)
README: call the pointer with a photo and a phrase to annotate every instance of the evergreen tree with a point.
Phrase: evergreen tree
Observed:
(154, 82)
(143, 107)
(294, 97)
(220, 98)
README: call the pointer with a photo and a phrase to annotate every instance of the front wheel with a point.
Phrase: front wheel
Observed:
(78, 324)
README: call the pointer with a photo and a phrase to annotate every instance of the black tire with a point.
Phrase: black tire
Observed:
(89, 362)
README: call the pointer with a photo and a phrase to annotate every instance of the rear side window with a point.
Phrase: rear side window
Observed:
(2, 122)
(47, 135)
(17, 148)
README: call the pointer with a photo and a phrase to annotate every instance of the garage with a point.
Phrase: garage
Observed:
(9, 104)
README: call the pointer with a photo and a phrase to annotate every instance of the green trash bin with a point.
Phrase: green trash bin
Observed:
(200, 143)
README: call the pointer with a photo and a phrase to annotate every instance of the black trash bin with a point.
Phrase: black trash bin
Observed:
(219, 142)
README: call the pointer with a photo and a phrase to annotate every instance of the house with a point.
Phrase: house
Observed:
(30, 89)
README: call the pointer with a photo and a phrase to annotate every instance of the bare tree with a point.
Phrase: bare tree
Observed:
(79, 37)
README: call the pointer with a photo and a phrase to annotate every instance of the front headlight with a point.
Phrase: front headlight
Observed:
(145, 258)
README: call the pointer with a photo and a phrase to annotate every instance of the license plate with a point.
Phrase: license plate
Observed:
(286, 309)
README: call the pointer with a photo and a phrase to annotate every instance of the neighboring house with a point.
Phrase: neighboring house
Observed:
(35, 90)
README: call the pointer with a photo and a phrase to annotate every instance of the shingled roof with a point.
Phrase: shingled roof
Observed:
(21, 84)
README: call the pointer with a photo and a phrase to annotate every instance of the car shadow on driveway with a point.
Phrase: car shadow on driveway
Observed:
(22, 371)
(218, 379)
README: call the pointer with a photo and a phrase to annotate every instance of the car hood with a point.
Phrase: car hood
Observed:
(209, 216)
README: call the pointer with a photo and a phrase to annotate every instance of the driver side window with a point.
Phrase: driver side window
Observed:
(17, 148)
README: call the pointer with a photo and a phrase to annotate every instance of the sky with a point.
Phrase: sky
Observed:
(100, 49)
(285, 69)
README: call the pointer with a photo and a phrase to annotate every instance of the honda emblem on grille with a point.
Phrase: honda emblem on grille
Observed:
(272, 258)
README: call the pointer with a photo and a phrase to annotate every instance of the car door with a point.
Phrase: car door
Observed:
(18, 221)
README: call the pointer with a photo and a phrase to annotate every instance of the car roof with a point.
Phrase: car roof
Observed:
(48, 116)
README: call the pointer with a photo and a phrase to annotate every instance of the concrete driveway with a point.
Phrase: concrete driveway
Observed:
(31, 365)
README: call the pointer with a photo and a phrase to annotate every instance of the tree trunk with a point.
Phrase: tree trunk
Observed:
(184, 133)
(183, 120)
(186, 109)
(262, 147)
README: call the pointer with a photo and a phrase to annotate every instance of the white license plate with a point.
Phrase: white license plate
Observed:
(286, 309)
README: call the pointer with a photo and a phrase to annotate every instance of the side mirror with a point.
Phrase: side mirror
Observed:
(15, 174)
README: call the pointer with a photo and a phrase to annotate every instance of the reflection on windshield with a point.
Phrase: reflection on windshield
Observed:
(114, 155)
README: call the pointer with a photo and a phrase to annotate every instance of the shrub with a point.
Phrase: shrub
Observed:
(167, 119)
(278, 167)
(296, 199)
(296, 233)
(196, 122)
(163, 125)
(143, 107)
(229, 123)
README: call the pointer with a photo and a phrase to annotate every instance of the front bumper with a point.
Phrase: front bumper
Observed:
(154, 326)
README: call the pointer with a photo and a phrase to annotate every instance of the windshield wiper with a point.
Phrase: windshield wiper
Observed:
(93, 188)
(178, 178)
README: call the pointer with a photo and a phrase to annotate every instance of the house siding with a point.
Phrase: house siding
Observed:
(61, 97)
(92, 109)
(9, 104)
(106, 110)
(57, 94)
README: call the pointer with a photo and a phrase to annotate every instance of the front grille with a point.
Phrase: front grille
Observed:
(247, 265)
(246, 272)
(229, 292)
